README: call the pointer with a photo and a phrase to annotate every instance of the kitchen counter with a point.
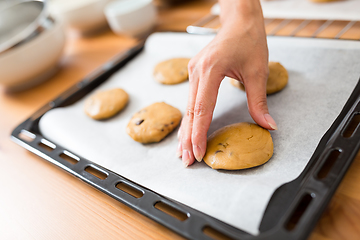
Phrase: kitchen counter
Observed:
(41, 201)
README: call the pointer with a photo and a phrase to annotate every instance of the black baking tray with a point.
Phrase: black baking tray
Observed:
(291, 213)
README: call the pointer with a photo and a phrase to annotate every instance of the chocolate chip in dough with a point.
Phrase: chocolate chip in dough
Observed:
(156, 122)
(245, 145)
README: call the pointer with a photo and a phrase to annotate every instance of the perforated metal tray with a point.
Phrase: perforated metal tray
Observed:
(291, 213)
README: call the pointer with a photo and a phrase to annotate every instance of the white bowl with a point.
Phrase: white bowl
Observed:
(83, 15)
(134, 18)
(35, 58)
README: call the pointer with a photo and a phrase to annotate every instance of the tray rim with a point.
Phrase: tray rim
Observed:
(192, 227)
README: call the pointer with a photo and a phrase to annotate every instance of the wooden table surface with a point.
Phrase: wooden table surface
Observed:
(40, 201)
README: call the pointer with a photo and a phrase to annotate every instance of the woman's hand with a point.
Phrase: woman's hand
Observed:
(238, 51)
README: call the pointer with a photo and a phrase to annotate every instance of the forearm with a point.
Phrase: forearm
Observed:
(243, 14)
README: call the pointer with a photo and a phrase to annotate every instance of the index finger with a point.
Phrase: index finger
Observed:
(204, 107)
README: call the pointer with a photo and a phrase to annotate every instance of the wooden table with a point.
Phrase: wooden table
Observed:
(40, 201)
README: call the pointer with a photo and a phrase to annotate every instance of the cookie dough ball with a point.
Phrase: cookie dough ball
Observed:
(153, 123)
(277, 80)
(239, 146)
(237, 84)
(106, 104)
(172, 71)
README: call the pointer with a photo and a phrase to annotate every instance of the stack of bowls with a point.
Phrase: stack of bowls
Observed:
(31, 44)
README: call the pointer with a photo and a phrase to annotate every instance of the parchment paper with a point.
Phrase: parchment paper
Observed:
(305, 9)
(322, 75)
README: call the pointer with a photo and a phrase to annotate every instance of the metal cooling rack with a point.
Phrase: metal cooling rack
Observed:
(332, 29)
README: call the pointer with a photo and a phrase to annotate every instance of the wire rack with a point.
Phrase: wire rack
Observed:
(332, 29)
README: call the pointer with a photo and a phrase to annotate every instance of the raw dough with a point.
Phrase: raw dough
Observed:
(239, 146)
(106, 104)
(172, 71)
(153, 123)
(277, 80)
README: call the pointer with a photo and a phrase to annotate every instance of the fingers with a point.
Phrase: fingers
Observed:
(192, 135)
(185, 146)
(257, 104)
(187, 152)
(203, 93)
(203, 110)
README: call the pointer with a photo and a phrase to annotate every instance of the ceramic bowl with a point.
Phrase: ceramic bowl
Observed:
(31, 45)
(134, 18)
(82, 15)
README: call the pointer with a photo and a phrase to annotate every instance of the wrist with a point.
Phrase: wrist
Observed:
(240, 13)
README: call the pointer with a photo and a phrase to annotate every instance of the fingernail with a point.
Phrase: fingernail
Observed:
(197, 153)
(178, 150)
(270, 121)
(186, 158)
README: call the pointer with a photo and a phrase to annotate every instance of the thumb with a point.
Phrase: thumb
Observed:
(257, 104)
